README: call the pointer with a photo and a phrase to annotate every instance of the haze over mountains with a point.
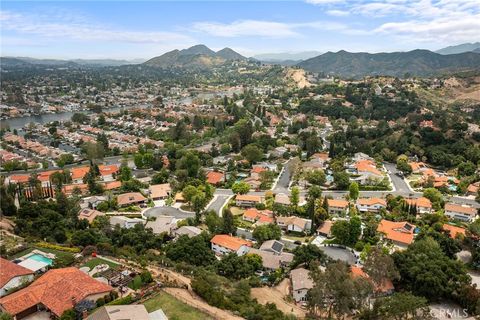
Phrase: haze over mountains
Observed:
(342, 63)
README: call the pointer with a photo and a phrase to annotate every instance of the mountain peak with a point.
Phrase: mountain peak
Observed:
(198, 49)
(229, 54)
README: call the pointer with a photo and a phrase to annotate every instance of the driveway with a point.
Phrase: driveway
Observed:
(339, 254)
(168, 211)
(284, 178)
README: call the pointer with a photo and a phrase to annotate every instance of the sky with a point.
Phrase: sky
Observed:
(141, 30)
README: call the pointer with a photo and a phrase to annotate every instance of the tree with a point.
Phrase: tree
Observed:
(125, 173)
(403, 165)
(341, 180)
(336, 292)
(195, 251)
(434, 196)
(347, 232)
(213, 222)
(240, 187)
(295, 197)
(438, 277)
(233, 266)
(189, 192)
(252, 153)
(380, 266)
(401, 305)
(266, 232)
(308, 254)
(316, 177)
(191, 163)
(353, 191)
(228, 226)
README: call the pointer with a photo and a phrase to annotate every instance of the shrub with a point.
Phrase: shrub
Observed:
(52, 246)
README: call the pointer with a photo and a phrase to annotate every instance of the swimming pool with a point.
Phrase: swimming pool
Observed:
(41, 258)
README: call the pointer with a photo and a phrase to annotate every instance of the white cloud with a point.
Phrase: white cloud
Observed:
(79, 28)
(247, 28)
(338, 13)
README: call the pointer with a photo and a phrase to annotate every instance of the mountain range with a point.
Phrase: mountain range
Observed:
(286, 58)
(416, 63)
(199, 56)
(464, 47)
(71, 62)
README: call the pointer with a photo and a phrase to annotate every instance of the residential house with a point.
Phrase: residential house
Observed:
(337, 206)
(131, 198)
(325, 229)
(301, 283)
(371, 204)
(162, 224)
(108, 172)
(160, 191)
(460, 212)
(424, 205)
(273, 246)
(418, 167)
(78, 174)
(367, 171)
(472, 189)
(272, 261)
(53, 293)
(92, 202)
(253, 215)
(190, 231)
(295, 224)
(215, 178)
(13, 276)
(400, 233)
(282, 198)
(125, 222)
(381, 289)
(454, 231)
(89, 214)
(225, 244)
(126, 312)
(246, 200)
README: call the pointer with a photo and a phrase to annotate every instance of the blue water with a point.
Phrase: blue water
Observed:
(40, 258)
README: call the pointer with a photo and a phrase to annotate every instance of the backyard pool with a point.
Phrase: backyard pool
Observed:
(41, 258)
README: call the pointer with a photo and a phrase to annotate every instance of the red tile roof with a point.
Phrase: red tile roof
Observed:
(10, 270)
(397, 231)
(56, 290)
(79, 172)
(454, 231)
(214, 177)
(229, 242)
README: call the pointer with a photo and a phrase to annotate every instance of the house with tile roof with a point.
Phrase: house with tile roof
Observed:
(89, 214)
(294, 223)
(460, 212)
(215, 178)
(454, 231)
(130, 198)
(246, 200)
(56, 291)
(325, 229)
(77, 174)
(160, 191)
(337, 206)
(225, 244)
(12, 276)
(401, 233)
(108, 172)
(423, 205)
(384, 288)
(371, 204)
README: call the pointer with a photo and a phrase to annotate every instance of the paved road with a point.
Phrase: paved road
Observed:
(168, 211)
(217, 204)
(284, 179)
(400, 185)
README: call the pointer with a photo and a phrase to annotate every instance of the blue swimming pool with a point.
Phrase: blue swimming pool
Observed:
(41, 258)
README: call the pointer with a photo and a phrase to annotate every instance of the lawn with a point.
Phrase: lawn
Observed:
(173, 308)
(96, 261)
(236, 211)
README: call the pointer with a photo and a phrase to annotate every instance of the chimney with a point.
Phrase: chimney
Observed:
(74, 301)
(84, 314)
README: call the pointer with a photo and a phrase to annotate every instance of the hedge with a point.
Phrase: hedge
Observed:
(57, 247)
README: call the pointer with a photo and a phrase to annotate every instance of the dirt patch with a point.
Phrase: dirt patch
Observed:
(195, 301)
(299, 77)
(277, 296)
